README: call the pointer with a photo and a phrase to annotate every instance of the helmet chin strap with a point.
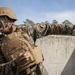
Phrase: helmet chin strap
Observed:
(6, 19)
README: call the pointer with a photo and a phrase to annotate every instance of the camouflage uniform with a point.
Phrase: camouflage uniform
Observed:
(34, 32)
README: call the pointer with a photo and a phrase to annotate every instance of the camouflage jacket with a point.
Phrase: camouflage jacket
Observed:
(34, 32)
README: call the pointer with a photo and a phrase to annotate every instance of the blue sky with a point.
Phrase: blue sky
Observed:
(41, 10)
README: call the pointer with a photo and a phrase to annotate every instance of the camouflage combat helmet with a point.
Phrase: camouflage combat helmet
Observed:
(5, 11)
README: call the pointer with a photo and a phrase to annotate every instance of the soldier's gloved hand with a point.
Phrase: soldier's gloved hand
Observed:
(22, 58)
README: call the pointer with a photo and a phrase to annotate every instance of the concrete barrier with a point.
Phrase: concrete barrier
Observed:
(59, 54)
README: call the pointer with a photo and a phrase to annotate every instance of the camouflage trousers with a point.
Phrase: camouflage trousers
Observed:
(38, 70)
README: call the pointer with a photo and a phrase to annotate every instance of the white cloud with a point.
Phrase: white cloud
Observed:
(47, 16)
(61, 16)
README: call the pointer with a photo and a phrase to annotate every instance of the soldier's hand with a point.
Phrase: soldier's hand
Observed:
(22, 58)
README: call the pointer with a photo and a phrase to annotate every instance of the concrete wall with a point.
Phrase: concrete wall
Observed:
(59, 54)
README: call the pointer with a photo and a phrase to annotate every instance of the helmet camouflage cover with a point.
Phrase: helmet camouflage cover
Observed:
(5, 11)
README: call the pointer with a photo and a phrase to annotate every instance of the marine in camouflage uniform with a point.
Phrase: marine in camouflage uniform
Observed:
(34, 32)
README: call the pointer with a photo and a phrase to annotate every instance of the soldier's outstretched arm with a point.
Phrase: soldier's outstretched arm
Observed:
(37, 31)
